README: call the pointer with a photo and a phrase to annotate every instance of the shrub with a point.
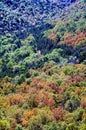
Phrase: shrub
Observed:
(51, 126)
(72, 104)
(72, 126)
(4, 125)
(19, 127)
(43, 117)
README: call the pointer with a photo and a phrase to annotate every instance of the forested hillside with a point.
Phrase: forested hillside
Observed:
(20, 16)
(42, 65)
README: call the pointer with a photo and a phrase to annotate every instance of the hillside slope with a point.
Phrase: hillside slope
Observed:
(42, 66)
(20, 16)
(64, 42)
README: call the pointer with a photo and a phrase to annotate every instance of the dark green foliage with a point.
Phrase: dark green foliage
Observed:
(19, 127)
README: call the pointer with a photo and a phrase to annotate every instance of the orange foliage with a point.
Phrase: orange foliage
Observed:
(13, 124)
(39, 83)
(44, 99)
(73, 39)
(52, 37)
(84, 115)
(23, 88)
(24, 123)
(78, 91)
(83, 102)
(16, 99)
(26, 116)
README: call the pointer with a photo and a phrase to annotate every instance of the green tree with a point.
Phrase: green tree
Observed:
(51, 126)
(4, 125)
(72, 126)
(19, 127)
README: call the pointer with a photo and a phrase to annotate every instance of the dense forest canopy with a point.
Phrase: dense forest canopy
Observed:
(43, 65)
